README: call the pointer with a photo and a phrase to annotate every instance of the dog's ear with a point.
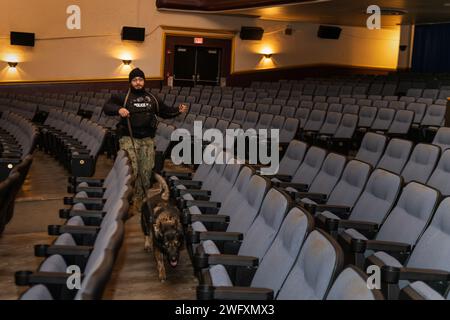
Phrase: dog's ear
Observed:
(157, 228)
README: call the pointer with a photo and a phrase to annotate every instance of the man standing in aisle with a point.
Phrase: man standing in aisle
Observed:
(140, 108)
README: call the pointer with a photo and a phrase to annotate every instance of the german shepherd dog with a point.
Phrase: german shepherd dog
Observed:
(162, 228)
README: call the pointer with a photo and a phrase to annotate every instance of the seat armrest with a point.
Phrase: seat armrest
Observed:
(28, 278)
(56, 230)
(216, 236)
(47, 250)
(219, 218)
(234, 293)
(394, 274)
(67, 213)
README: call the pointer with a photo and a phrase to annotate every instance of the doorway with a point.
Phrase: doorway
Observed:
(196, 65)
(191, 64)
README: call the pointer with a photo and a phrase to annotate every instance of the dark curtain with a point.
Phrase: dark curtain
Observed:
(431, 52)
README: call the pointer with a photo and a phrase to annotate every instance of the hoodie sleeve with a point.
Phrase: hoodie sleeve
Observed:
(111, 108)
(165, 111)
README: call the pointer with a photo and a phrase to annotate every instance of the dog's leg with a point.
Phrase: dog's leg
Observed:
(160, 264)
(148, 243)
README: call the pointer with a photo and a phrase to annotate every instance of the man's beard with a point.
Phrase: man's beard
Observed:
(133, 89)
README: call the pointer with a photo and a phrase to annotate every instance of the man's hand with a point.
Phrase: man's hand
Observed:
(124, 112)
(183, 108)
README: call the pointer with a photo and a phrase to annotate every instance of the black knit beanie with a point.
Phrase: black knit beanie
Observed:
(136, 72)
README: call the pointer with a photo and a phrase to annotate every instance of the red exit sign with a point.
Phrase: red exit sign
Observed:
(198, 40)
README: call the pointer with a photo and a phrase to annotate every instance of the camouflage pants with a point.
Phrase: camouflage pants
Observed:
(145, 157)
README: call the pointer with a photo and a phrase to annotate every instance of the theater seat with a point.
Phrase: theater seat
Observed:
(442, 138)
(325, 180)
(259, 236)
(396, 155)
(421, 163)
(427, 257)
(272, 269)
(372, 148)
(404, 224)
(319, 262)
(345, 193)
(375, 202)
(440, 178)
(37, 292)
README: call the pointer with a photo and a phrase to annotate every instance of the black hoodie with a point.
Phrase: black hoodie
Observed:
(143, 107)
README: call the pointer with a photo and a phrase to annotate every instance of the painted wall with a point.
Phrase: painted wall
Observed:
(95, 51)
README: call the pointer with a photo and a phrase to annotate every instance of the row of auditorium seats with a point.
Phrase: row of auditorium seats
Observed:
(18, 137)
(264, 210)
(89, 240)
(238, 97)
(74, 141)
(377, 198)
(10, 187)
(17, 140)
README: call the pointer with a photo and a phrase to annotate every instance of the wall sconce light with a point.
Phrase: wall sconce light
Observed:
(12, 64)
(267, 55)
(127, 62)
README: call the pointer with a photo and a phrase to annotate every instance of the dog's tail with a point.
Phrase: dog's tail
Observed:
(165, 188)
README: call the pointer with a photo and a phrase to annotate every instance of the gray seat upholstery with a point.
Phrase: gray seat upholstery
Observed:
(380, 104)
(335, 107)
(292, 158)
(195, 108)
(289, 130)
(319, 262)
(263, 229)
(275, 109)
(377, 199)
(228, 114)
(352, 182)
(288, 111)
(396, 155)
(239, 117)
(331, 123)
(434, 116)
(419, 111)
(334, 99)
(315, 121)
(310, 166)
(367, 116)
(430, 93)
(421, 163)
(37, 292)
(397, 105)
(302, 114)
(416, 93)
(264, 121)
(407, 221)
(402, 123)
(372, 148)
(442, 138)
(351, 284)
(329, 174)
(320, 106)
(243, 213)
(431, 250)
(285, 248)
(407, 100)
(351, 108)
(383, 119)
(419, 290)
(250, 120)
(347, 127)
(440, 178)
